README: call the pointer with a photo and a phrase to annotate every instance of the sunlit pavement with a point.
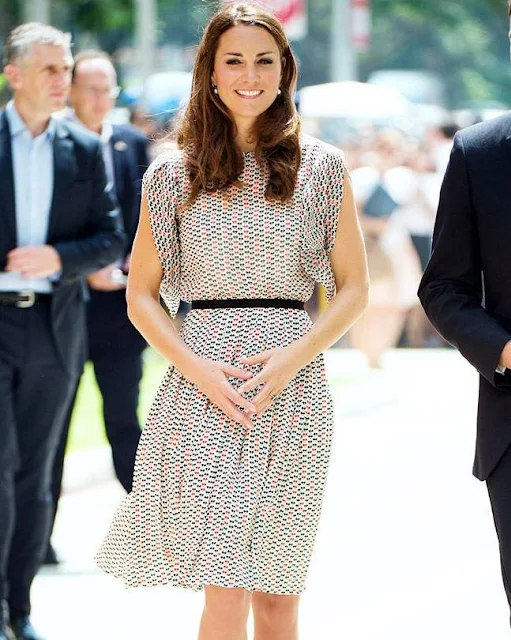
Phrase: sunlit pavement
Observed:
(406, 548)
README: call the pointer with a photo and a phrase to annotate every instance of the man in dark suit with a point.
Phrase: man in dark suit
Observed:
(115, 346)
(465, 292)
(58, 223)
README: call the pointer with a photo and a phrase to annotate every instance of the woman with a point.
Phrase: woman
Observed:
(240, 222)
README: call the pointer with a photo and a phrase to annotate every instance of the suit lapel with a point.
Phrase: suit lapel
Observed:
(7, 207)
(118, 148)
(65, 170)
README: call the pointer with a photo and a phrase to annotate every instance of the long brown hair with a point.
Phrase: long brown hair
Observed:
(207, 130)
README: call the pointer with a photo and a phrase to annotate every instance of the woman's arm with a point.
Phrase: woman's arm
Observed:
(349, 264)
(348, 259)
(146, 313)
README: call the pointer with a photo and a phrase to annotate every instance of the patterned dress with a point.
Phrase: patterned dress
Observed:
(214, 503)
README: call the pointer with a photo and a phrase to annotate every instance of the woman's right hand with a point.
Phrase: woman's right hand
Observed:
(211, 377)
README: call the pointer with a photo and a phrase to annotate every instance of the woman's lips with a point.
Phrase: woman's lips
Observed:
(250, 95)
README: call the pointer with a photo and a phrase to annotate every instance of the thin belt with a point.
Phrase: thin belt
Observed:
(277, 303)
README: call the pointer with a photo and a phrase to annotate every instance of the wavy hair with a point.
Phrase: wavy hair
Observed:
(207, 130)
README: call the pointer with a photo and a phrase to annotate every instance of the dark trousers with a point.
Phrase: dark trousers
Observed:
(499, 489)
(118, 377)
(34, 393)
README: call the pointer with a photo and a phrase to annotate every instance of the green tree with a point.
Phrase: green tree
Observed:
(465, 42)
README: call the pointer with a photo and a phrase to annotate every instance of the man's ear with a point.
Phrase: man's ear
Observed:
(12, 73)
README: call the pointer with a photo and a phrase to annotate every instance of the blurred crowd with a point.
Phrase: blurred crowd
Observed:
(396, 180)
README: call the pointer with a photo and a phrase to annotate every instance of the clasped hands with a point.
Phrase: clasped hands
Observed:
(34, 262)
(280, 366)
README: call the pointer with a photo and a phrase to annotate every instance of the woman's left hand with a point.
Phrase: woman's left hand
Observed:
(280, 366)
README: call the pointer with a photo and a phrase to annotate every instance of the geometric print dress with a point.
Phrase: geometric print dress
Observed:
(212, 502)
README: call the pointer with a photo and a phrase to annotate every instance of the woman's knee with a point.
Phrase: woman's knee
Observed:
(227, 603)
(270, 607)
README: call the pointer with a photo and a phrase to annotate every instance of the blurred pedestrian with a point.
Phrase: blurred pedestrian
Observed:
(465, 292)
(140, 119)
(58, 224)
(381, 188)
(241, 221)
(115, 346)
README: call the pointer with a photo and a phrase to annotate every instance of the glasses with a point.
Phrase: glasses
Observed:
(97, 92)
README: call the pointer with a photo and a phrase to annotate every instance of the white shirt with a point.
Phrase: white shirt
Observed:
(106, 134)
(32, 165)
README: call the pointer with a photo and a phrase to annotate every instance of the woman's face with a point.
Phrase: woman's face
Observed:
(247, 72)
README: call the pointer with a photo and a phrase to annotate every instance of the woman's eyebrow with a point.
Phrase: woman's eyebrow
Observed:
(240, 55)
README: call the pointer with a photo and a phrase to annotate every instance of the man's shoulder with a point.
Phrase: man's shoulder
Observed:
(486, 134)
(129, 134)
(78, 133)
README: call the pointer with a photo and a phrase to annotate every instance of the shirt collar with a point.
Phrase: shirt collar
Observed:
(17, 125)
(106, 130)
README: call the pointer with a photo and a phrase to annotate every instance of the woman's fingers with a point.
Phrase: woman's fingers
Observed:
(262, 406)
(231, 410)
(253, 382)
(234, 372)
(258, 358)
(264, 396)
(239, 400)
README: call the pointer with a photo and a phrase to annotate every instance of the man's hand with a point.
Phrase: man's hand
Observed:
(505, 356)
(34, 262)
(127, 263)
(102, 280)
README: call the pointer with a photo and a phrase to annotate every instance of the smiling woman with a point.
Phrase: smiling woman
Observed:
(243, 85)
(241, 221)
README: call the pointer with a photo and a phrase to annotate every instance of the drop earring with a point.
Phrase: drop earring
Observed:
(215, 89)
(279, 92)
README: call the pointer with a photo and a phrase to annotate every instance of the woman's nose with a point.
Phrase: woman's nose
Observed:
(251, 73)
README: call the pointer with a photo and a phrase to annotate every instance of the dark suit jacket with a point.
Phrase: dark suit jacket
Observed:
(466, 288)
(111, 334)
(85, 228)
(131, 159)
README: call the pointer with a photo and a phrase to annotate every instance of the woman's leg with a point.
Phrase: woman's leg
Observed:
(225, 614)
(275, 616)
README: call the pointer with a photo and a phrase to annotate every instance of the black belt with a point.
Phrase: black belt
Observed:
(277, 303)
(22, 299)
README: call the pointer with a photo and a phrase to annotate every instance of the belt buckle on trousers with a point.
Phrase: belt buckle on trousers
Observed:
(27, 301)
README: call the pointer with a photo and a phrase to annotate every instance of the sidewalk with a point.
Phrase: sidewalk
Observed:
(406, 548)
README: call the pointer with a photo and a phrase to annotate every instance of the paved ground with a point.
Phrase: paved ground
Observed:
(406, 550)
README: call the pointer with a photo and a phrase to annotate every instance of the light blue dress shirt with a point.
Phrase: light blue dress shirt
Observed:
(32, 164)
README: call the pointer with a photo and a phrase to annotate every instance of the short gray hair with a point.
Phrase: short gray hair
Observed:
(22, 38)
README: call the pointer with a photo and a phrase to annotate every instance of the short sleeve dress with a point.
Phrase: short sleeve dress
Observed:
(214, 503)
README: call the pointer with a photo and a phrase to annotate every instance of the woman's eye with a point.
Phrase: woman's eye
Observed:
(233, 61)
(266, 61)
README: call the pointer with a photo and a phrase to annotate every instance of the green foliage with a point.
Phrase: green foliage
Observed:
(465, 42)
(93, 15)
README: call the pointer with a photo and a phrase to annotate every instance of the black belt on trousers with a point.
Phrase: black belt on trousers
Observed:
(22, 299)
(277, 303)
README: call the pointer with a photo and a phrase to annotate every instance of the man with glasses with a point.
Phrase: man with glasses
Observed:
(115, 346)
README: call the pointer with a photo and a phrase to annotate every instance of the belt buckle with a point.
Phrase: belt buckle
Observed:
(29, 302)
